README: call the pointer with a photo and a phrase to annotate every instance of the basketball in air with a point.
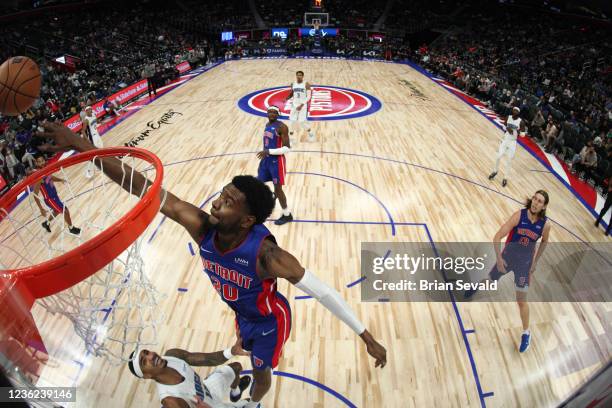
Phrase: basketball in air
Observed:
(19, 85)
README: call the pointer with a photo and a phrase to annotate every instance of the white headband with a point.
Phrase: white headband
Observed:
(274, 108)
(136, 363)
(516, 109)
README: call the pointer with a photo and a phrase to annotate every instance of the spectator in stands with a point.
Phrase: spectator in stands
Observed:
(12, 164)
(587, 162)
(551, 133)
(606, 207)
(537, 124)
(28, 160)
(148, 73)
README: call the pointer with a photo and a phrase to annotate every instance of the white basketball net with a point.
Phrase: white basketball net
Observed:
(115, 309)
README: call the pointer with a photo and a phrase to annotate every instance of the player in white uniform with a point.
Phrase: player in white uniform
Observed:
(89, 131)
(179, 386)
(300, 95)
(514, 125)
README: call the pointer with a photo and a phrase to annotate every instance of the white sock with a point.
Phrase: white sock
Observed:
(235, 392)
(286, 212)
(527, 332)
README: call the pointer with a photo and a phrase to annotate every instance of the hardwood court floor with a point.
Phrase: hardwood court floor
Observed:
(422, 159)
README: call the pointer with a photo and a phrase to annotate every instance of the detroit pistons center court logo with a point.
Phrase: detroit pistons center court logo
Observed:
(327, 102)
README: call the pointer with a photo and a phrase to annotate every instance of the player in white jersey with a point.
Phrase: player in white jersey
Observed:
(514, 125)
(300, 95)
(89, 131)
(179, 386)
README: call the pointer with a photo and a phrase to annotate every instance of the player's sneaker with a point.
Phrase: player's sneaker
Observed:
(74, 231)
(492, 175)
(311, 137)
(244, 383)
(88, 173)
(524, 342)
(284, 219)
(46, 226)
(504, 182)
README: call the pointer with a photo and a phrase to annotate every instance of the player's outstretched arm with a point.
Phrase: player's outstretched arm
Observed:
(209, 359)
(276, 262)
(188, 215)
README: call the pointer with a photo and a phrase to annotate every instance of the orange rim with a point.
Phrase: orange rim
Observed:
(57, 274)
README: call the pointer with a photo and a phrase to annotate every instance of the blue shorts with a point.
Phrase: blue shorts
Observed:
(265, 338)
(521, 274)
(272, 168)
(52, 201)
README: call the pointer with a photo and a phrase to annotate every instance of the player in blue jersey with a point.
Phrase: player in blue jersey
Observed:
(273, 166)
(242, 260)
(45, 189)
(519, 255)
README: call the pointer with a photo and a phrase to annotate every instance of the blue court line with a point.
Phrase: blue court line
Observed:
(354, 185)
(307, 380)
(358, 281)
(540, 171)
(402, 162)
(461, 326)
(303, 297)
(488, 394)
(391, 222)
(190, 249)
(468, 331)
(182, 289)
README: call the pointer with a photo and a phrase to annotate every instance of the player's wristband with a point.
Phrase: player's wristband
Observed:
(227, 353)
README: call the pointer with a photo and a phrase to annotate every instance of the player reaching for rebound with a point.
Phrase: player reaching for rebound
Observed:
(47, 190)
(523, 230)
(514, 125)
(300, 95)
(89, 131)
(179, 386)
(273, 165)
(242, 260)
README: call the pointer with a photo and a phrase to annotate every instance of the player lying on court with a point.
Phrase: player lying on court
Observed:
(45, 189)
(519, 256)
(242, 260)
(179, 386)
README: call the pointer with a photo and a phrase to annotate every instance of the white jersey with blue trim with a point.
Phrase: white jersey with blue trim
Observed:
(299, 93)
(188, 389)
(513, 126)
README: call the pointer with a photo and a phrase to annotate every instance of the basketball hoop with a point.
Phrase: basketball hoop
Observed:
(97, 280)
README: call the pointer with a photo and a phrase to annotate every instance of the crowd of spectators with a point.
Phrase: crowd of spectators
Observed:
(556, 70)
(339, 46)
(112, 48)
